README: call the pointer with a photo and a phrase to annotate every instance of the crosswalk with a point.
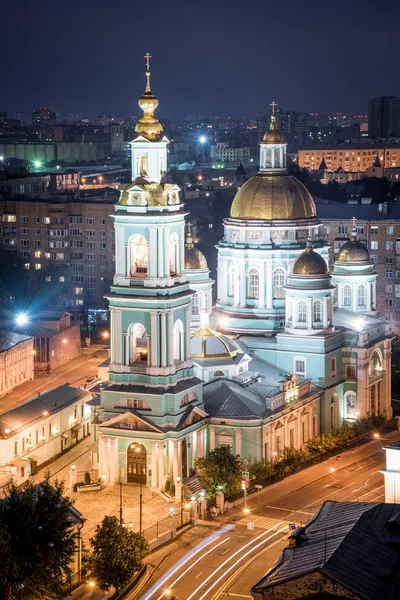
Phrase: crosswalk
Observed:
(260, 522)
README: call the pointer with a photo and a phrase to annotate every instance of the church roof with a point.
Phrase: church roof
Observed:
(194, 259)
(156, 194)
(208, 344)
(353, 251)
(310, 263)
(273, 197)
(227, 398)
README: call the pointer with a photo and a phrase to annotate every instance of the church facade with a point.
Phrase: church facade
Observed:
(298, 351)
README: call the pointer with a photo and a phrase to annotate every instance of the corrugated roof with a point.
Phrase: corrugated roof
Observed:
(50, 401)
(9, 339)
(367, 212)
(226, 398)
(181, 386)
(352, 543)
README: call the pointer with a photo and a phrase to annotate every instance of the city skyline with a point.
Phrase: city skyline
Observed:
(216, 74)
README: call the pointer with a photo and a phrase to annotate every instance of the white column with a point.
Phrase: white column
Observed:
(187, 334)
(127, 361)
(118, 336)
(236, 284)
(368, 296)
(179, 444)
(222, 277)
(112, 336)
(309, 313)
(119, 249)
(175, 470)
(194, 448)
(170, 338)
(154, 346)
(160, 252)
(325, 316)
(238, 441)
(340, 296)
(261, 301)
(242, 284)
(127, 271)
(153, 251)
(200, 451)
(273, 158)
(114, 462)
(281, 156)
(374, 295)
(154, 471)
(161, 464)
(269, 285)
(354, 297)
(166, 250)
(163, 338)
(212, 437)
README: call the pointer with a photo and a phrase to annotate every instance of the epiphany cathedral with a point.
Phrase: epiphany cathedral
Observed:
(300, 350)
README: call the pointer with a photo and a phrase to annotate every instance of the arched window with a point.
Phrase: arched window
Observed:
(375, 365)
(317, 311)
(231, 280)
(302, 312)
(219, 374)
(350, 404)
(139, 255)
(347, 295)
(279, 282)
(195, 304)
(361, 295)
(143, 166)
(254, 283)
(136, 349)
(334, 411)
(178, 341)
(173, 254)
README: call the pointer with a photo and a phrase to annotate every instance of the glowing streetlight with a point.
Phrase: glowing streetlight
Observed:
(91, 584)
(37, 164)
(332, 469)
(202, 139)
(1, 157)
(21, 319)
(106, 335)
(376, 436)
(64, 341)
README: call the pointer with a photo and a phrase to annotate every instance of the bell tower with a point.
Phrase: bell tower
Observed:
(273, 149)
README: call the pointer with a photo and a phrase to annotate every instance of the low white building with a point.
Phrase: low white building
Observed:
(37, 432)
(16, 360)
(392, 473)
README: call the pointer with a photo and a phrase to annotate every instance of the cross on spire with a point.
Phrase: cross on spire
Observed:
(273, 104)
(354, 221)
(147, 56)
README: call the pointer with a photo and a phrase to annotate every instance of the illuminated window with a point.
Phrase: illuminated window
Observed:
(38, 266)
(302, 312)
(361, 295)
(347, 295)
(253, 279)
(279, 282)
(195, 304)
(317, 311)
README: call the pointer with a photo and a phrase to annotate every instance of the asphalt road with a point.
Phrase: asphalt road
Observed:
(228, 562)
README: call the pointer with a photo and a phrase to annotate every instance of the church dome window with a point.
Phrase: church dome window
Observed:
(302, 312)
(279, 282)
(317, 311)
(219, 374)
(347, 295)
(253, 283)
(361, 295)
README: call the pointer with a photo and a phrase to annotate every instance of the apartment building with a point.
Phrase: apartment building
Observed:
(71, 237)
(350, 157)
(378, 226)
(223, 152)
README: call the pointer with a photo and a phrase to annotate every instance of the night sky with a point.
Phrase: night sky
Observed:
(209, 58)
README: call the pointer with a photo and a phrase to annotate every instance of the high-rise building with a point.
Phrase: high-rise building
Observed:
(384, 117)
(43, 116)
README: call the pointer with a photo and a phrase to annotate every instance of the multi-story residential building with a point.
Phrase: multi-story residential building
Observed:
(16, 360)
(351, 157)
(36, 432)
(384, 117)
(224, 152)
(70, 152)
(378, 226)
(56, 340)
(71, 237)
(43, 116)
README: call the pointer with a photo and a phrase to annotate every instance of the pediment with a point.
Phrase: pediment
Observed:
(225, 433)
(129, 422)
(194, 416)
(278, 425)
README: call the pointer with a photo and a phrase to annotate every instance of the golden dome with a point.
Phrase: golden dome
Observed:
(194, 259)
(206, 343)
(273, 136)
(273, 197)
(148, 126)
(353, 251)
(310, 263)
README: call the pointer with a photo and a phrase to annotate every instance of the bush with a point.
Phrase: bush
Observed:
(87, 478)
(172, 489)
(167, 486)
(260, 469)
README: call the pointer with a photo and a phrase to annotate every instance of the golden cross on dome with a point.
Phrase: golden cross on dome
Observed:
(273, 104)
(147, 56)
(354, 221)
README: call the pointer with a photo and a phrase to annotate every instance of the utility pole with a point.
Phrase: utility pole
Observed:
(140, 508)
(120, 502)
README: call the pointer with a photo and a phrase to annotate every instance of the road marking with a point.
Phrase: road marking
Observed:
(229, 559)
(197, 576)
(259, 521)
(227, 550)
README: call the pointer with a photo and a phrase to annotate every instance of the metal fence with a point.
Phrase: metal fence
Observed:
(182, 518)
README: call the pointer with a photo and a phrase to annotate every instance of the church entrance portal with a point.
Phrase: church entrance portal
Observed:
(137, 458)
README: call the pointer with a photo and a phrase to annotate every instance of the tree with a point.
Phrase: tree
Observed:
(117, 554)
(220, 468)
(40, 542)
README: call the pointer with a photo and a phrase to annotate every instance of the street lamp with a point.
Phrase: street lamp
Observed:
(21, 319)
(202, 139)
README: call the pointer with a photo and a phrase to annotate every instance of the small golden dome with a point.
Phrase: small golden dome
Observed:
(353, 251)
(273, 197)
(194, 259)
(310, 263)
(155, 194)
(206, 343)
(148, 126)
(273, 136)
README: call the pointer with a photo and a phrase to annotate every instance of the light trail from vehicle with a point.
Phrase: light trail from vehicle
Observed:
(233, 556)
(171, 585)
(156, 586)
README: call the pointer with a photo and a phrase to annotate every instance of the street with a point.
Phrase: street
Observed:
(73, 372)
(229, 561)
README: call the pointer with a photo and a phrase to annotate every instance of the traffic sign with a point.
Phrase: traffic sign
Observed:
(292, 526)
(258, 487)
(245, 474)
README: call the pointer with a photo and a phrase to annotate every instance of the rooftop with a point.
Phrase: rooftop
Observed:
(9, 340)
(363, 212)
(356, 544)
